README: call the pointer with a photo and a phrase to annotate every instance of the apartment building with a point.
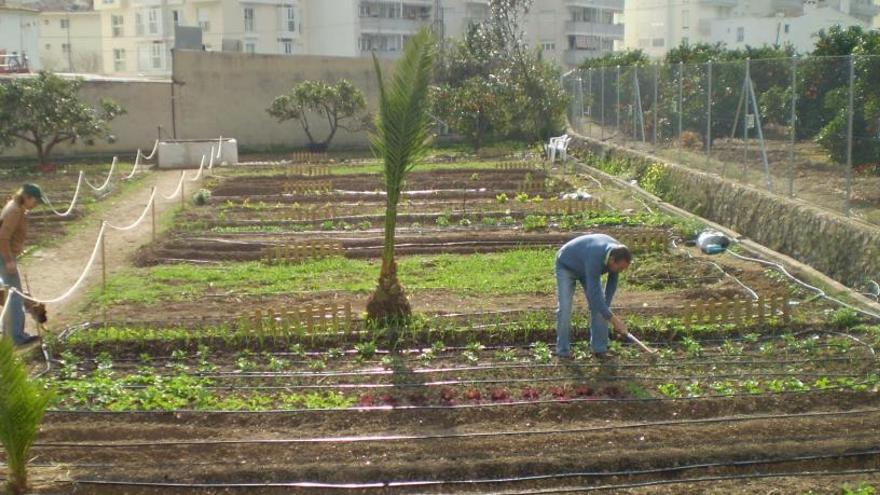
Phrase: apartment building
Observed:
(138, 35)
(70, 41)
(568, 31)
(19, 37)
(656, 26)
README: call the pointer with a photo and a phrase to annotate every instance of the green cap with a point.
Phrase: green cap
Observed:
(33, 191)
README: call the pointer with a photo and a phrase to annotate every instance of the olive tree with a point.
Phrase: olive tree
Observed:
(342, 105)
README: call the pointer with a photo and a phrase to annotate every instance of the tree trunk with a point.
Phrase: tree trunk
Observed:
(388, 304)
(41, 154)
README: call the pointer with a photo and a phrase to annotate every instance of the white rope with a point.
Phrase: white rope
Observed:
(211, 161)
(79, 182)
(219, 147)
(152, 153)
(139, 219)
(107, 181)
(201, 167)
(137, 163)
(179, 187)
(76, 284)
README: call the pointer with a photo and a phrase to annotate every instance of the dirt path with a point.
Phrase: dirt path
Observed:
(54, 270)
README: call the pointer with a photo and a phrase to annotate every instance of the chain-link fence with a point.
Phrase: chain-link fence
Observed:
(804, 127)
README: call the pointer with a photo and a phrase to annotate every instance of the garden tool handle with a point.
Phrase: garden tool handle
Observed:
(639, 343)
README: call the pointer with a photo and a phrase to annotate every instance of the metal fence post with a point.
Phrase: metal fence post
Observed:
(602, 115)
(708, 112)
(791, 171)
(617, 105)
(849, 133)
(680, 105)
(745, 100)
(655, 108)
(590, 106)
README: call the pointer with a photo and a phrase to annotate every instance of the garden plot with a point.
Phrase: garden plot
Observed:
(231, 373)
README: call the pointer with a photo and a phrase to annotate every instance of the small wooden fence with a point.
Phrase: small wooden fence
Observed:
(308, 157)
(297, 253)
(738, 311)
(515, 165)
(309, 187)
(306, 319)
(308, 170)
(644, 241)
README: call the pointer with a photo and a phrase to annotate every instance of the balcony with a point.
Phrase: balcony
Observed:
(594, 29)
(615, 5)
(790, 7)
(719, 3)
(863, 10)
(574, 56)
(386, 25)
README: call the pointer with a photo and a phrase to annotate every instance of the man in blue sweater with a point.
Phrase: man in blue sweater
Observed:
(585, 259)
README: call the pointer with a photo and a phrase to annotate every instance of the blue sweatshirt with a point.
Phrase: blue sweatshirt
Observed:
(587, 257)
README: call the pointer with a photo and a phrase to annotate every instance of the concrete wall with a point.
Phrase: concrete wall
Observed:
(148, 105)
(227, 94)
(222, 94)
(845, 250)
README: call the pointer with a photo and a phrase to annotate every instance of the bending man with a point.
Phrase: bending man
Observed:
(585, 259)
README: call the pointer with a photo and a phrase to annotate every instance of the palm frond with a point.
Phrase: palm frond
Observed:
(23, 403)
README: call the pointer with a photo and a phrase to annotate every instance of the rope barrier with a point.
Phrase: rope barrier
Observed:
(69, 210)
(178, 189)
(211, 161)
(140, 219)
(137, 164)
(152, 153)
(201, 167)
(107, 181)
(219, 147)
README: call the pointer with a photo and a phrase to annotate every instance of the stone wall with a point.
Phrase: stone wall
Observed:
(845, 250)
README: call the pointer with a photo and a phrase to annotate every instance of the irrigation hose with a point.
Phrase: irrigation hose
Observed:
(488, 481)
(716, 265)
(819, 292)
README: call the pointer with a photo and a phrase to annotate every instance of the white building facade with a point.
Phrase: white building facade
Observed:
(71, 41)
(19, 38)
(657, 26)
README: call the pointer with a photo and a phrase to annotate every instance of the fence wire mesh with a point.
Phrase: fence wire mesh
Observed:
(806, 127)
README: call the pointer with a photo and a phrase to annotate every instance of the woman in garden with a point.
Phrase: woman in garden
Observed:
(13, 234)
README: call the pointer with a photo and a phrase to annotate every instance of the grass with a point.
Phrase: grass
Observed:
(372, 167)
(512, 272)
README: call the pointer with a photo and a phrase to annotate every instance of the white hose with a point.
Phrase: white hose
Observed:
(818, 291)
(152, 153)
(69, 210)
(140, 218)
(716, 265)
(179, 186)
(107, 181)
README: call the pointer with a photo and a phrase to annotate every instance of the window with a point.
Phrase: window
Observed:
(153, 20)
(48, 46)
(65, 47)
(118, 60)
(740, 34)
(65, 24)
(548, 46)
(45, 22)
(787, 28)
(175, 17)
(204, 19)
(116, 24)
(286, 46)
(249, 19)
(139, 23)
(291, 19)
(156, 55)
(658, 42)
(250, 48)
(685, 19)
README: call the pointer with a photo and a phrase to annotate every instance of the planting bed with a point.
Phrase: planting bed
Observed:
(220, 367)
